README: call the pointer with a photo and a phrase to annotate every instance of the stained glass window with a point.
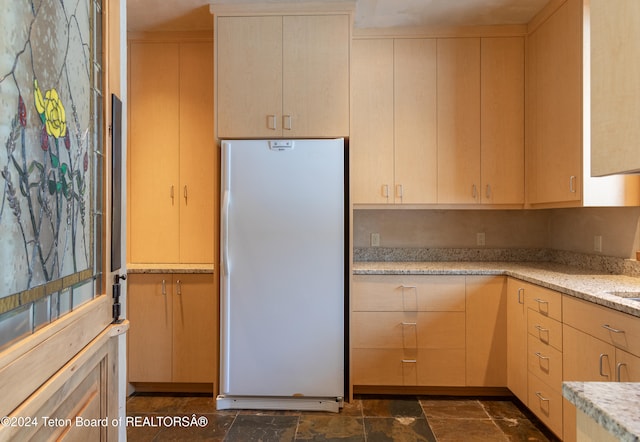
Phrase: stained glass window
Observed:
(51, 119)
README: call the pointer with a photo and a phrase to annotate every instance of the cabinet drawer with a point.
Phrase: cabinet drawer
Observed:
(408, 330)
(545, 329)
(545, 301)
(424, 367)
(616, 328)
(546, 403)
(545, 362)
(408, 293)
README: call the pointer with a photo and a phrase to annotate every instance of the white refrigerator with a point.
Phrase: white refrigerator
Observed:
(282, 277)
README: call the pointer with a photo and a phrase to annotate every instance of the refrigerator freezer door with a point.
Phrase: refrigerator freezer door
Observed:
(283, 261)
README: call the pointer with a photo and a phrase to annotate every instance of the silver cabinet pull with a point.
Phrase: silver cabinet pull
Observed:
(399, 191)
(179, 287)
(602, 356)
(409, 303)
(474, 191)
(520, 299)
(619, 366)
(171, 194)
(542, 398)
(409, 361)
(185, 194)
(272, 122)
(164, 287)
(572, 184)
(385, 191)
(286, 122)
(540, 356)
(540, 331)
(611, 329)
(541, 301)
(409, 340)
(488, 191)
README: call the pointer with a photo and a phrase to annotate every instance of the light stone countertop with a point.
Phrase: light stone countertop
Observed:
(581, 283)
(170, 268)
(613, 405)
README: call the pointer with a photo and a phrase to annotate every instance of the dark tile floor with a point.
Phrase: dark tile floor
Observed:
(367, 418)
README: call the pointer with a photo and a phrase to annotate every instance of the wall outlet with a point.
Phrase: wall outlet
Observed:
(375, 240)
(597, 243)
(480, 239)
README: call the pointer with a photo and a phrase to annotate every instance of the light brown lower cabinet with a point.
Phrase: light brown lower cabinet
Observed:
(517, 338)
(408, 330)
(486, 331)
(426, 330)
(173, 323)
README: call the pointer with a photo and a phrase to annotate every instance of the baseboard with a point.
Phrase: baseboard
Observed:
(431, 391)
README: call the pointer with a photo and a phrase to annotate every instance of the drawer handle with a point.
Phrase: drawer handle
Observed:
(402, 286)
(539, 355)
(619, 365)
(520, 292)
(611, 329)
(541, 301)
(602, 356)
(542, 329)
(164, 287)
(542, 398)
(410, 323)
(409, 361)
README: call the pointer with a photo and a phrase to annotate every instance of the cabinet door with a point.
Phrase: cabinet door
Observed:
(502, 127)
(584, 358)
(249, 76)
(197, 154)
(517, 339)
(153, 178)
(150, 313)
(458, 120)
(486, 324)
(627, 367)
(194, 329)
(415, 128)
(315, 76)
(371, 141)
(555, 69)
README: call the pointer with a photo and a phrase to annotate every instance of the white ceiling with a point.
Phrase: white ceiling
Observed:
(158, 15)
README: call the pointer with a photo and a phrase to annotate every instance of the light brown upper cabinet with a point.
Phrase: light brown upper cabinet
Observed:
(171, 153)
(393, 139)
(502, 120)
(459, 120)
(438, 121)
(559, 111)
(615, 90)
(282, 76)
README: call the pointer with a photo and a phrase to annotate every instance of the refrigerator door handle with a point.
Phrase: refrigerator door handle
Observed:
(225, 232)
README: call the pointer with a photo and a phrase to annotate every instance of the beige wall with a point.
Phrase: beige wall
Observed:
(564, 229)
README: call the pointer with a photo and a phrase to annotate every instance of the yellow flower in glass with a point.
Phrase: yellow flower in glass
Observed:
(55, 114)
(39, 101)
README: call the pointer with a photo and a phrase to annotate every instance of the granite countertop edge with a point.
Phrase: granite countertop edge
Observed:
(170, 268)
(601, 402)
(592, 286)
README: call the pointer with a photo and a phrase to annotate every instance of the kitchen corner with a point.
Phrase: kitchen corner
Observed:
(580, 300)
